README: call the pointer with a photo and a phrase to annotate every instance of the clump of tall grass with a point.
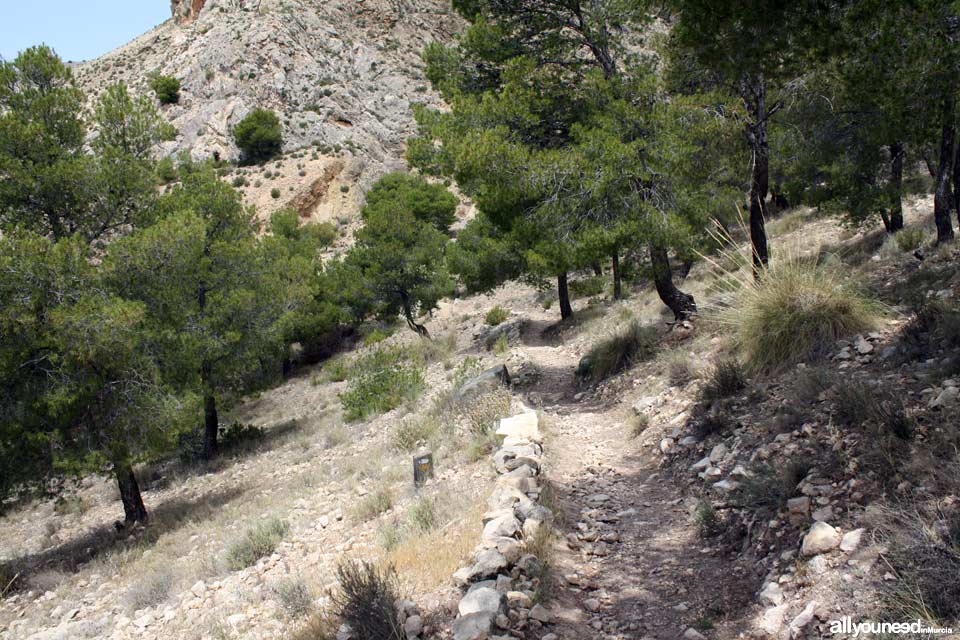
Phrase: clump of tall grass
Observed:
(795, 309)
(256, 543)
(620, 351)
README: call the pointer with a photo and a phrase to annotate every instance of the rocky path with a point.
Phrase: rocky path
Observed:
(628, 562)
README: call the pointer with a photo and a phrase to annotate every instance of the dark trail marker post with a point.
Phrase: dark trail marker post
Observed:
(422, 468)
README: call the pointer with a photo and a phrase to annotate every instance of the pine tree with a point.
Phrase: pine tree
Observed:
(214, 298)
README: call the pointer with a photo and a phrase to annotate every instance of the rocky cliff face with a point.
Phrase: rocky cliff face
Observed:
(185, 11)
(341, 74)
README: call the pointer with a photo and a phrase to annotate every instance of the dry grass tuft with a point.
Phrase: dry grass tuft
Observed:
(796, 310)
(620, 351)
(428, 559)
(258, 542)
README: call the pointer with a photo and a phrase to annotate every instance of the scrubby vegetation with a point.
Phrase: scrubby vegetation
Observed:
(381, 381)
(796, 311)
(618, 352)
(257, 542)
(496, 315)
(367, 601)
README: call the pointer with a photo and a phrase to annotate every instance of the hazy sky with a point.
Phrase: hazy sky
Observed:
(76, 29)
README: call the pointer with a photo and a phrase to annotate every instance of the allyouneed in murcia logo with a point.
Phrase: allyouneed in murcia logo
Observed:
(846, 625)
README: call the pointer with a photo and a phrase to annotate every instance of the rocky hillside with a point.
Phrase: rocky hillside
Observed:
(341, 74)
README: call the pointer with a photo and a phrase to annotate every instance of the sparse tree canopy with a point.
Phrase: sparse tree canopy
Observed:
(259, 135)
(50, 184)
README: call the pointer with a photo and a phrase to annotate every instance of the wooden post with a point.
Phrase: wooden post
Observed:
(422, 468)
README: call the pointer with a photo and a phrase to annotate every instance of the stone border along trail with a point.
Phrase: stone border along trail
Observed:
(504, 577)
(627, 563)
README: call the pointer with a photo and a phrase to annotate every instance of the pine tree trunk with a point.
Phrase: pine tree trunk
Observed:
(617, 286)
(211, 428)
(942, 204)
(956, 176)
(897, 154)
(133, 507)
(563, 293)
(408, 314)
(682, 304)
(756, 98)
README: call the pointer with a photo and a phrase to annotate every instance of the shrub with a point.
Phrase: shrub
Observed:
(767, 489)
(423, 514)
(680, 369)
(374, 504)
(796, 310)
(723, 380)
(926, 558)
(501, 345)
(239, 181)
(909, 240)
(639, 424)
(293, 596)
(496, 315)
(239, 436)
(336, 369)
(377, 335)
(367, 599)
(166, 170)
(167, 89)
(274, 193)
(380, 382)
(411, 433)
(259, 135)
(709, 523)
(618, 352)
(151, 589)
(588, 287)
(256, 543)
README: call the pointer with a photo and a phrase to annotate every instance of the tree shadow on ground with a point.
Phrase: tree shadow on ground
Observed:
(71, 555)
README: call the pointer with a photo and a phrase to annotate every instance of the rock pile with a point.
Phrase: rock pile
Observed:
(503, 578)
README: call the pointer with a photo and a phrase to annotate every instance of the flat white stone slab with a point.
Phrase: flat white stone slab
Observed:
(523, 425)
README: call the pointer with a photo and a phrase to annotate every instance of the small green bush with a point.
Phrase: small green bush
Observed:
(708, 521)
(336, 369)
(258, 542)
(501, 345)
(796, 310)
(259, 135)
(374, 504)
(274, 193)
(167, 89)
(496, 316)
(423, 514)
(635, 344)
(412, 433)
(380, 382)
(909, 240)
(166, 170)
(587, 287)
(239, 436)
(639, 424)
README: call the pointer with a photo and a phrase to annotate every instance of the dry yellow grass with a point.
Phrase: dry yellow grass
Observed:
(428, 560)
